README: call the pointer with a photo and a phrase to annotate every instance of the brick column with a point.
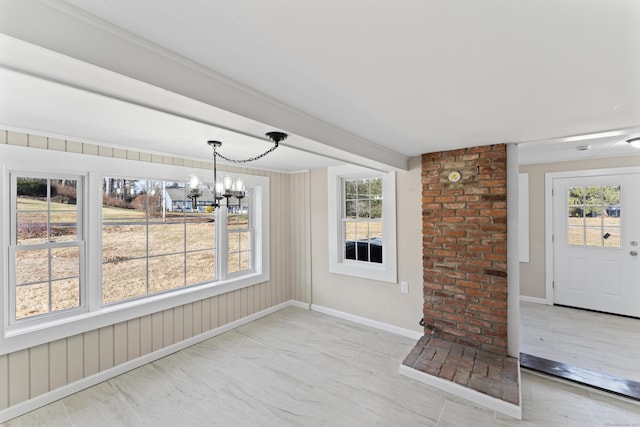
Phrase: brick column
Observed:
(464, 233)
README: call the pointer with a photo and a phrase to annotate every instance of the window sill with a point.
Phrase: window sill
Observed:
(18, 337)
(378, 272)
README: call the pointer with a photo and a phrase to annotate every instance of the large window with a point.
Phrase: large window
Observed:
(94, 245)
(152, 241)
(362, 239)
(46, 246)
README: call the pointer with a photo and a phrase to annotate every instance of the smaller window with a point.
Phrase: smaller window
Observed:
(46, 245)
(362, 239)
(239, 245)
(362, 219)
(594, 216)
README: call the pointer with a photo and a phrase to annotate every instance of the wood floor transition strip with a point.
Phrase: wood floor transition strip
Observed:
(599, 380)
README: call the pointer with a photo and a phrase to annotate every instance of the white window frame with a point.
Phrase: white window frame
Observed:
(93, 169)
(385, 271)
(250, 231)
(80, 243)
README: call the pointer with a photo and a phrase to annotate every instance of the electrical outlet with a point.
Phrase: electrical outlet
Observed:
(404, 287)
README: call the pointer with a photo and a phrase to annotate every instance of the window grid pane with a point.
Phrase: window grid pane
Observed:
(594, 216)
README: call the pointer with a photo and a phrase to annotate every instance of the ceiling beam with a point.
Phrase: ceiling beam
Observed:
(57, 26)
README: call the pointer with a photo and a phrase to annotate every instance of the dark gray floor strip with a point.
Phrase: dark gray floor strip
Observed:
(599, 380)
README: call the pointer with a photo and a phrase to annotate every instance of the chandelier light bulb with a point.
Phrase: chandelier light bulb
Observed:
(228, 183)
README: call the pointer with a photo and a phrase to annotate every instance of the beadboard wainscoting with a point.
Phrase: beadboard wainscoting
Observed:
(37, 375)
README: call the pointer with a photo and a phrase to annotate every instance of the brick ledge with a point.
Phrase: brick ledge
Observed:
(466, 393)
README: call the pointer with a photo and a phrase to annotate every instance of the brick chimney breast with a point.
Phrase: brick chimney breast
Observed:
(464, 235)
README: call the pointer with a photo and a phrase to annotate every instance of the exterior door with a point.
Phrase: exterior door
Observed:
(596, 238)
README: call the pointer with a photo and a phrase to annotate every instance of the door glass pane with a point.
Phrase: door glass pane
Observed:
(611, 195)
(576, 236)
(594, 216)
(593, 237)
(576, 196)
(611, 237)
(593, 195)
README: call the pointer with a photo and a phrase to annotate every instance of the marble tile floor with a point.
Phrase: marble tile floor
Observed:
(595, 341)
(302, 368)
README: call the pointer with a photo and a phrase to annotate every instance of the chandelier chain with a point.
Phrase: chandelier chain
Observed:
(259, 156)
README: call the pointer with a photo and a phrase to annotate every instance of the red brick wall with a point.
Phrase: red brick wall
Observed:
(464, 235)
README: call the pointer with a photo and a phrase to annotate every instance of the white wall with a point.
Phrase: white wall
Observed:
(379, 301)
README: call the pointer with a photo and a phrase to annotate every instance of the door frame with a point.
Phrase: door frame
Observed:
(548, 215)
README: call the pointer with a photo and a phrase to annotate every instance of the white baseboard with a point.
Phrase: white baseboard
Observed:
(300, 304)
(533, 299)
(368, 322)
(469, 394)
(74, 387)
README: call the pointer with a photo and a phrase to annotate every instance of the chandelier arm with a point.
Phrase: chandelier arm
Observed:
(250, 159)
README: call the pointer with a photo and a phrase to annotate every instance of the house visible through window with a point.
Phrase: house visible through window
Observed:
(93, 243)
(152, 240)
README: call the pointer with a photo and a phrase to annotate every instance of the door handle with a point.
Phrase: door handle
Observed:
(633, 253)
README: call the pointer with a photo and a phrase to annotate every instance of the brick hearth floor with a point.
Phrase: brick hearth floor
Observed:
(479, 370)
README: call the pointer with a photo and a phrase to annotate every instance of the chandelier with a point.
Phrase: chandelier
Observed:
(227, 187)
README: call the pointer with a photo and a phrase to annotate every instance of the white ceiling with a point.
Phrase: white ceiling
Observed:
(407, 77)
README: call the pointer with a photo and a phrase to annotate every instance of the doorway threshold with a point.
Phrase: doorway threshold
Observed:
(598, 380)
